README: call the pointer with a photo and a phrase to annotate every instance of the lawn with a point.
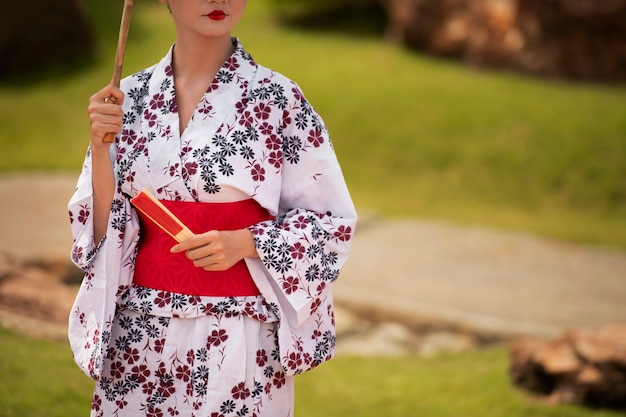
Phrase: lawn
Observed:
(38, 378)
(417, 136)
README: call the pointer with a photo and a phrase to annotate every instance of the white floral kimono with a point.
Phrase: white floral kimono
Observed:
(158, 353)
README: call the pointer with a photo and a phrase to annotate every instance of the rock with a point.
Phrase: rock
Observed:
(581, 366)
(608, 344)
(386, 339)
(580, 39)
(33, 291)
(347, 322)
(438, 342)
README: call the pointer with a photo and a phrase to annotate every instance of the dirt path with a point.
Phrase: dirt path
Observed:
(422, 271)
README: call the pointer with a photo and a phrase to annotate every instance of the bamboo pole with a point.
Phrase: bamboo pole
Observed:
(119, 57)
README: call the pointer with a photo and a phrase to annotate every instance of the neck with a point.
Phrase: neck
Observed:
(195, 60)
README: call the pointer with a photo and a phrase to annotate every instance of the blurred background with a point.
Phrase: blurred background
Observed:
(483, 141)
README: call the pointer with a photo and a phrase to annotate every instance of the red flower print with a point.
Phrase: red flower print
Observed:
(298, 250)
(315, 305)
(110, 353)
(273, 143)
(185, 149)
(183, 373)
(128, 136)
(231, 63)
(217, 337)
(149, 117)
(258, 173)
(294, 361)
(154, 412)
(286, 119)
(261, 357)
(83, 214)
(121, 154)
(96, 403)
(213, 86)
(301, 222)
(297, 94)
(141, 372)
(77, 253)
(147, 388)
(240, 392)
(206, 108)
(343, 233)
(131, 355)
(266, 128)
(117, 370)
(316, 138)
(290, 285)
(159, 345)
(246, 119)
(262, 111)
(167, 388)
(279, 379)
(276, 159)
(241, 105)
(189, 169)
(163, 299)
(158, 100)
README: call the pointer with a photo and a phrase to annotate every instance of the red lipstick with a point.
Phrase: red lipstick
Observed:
(217, 15)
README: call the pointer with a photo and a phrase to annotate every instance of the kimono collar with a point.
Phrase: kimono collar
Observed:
(167, 148)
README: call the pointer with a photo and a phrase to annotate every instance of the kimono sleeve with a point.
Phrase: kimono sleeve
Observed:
(108, 270)
(304, 248)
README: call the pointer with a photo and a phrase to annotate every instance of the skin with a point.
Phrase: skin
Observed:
(202, 46)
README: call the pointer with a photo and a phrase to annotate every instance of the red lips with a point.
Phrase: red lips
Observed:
(217, 15)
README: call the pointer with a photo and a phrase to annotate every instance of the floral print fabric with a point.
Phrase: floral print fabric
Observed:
(253, 135)
(148, 372)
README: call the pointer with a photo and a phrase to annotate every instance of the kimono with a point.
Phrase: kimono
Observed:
(159, 353)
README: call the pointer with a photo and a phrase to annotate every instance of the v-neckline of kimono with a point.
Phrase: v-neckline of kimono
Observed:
(183, 129)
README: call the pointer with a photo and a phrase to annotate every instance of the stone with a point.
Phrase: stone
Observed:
(438, 342)
(347, 322)
(578, 39)
(583, 366)
(558, 358)
(33, 291)
(387, 339)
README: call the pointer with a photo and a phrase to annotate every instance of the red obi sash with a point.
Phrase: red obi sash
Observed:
(156, 267)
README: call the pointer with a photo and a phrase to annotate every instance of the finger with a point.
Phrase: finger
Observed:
(108, 95)
(101, 124)
(198, 241)
(186, 245)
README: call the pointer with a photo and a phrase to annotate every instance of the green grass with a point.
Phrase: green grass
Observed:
(416, 136)
(39, 378)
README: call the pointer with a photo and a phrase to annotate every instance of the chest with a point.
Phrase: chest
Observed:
(187, 99)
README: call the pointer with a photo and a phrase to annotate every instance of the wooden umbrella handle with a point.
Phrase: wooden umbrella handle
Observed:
(119, 57)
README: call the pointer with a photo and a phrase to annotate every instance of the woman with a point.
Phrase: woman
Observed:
(219, 324)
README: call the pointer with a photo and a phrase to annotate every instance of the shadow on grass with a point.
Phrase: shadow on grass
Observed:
(341, 19)
(103, 19)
